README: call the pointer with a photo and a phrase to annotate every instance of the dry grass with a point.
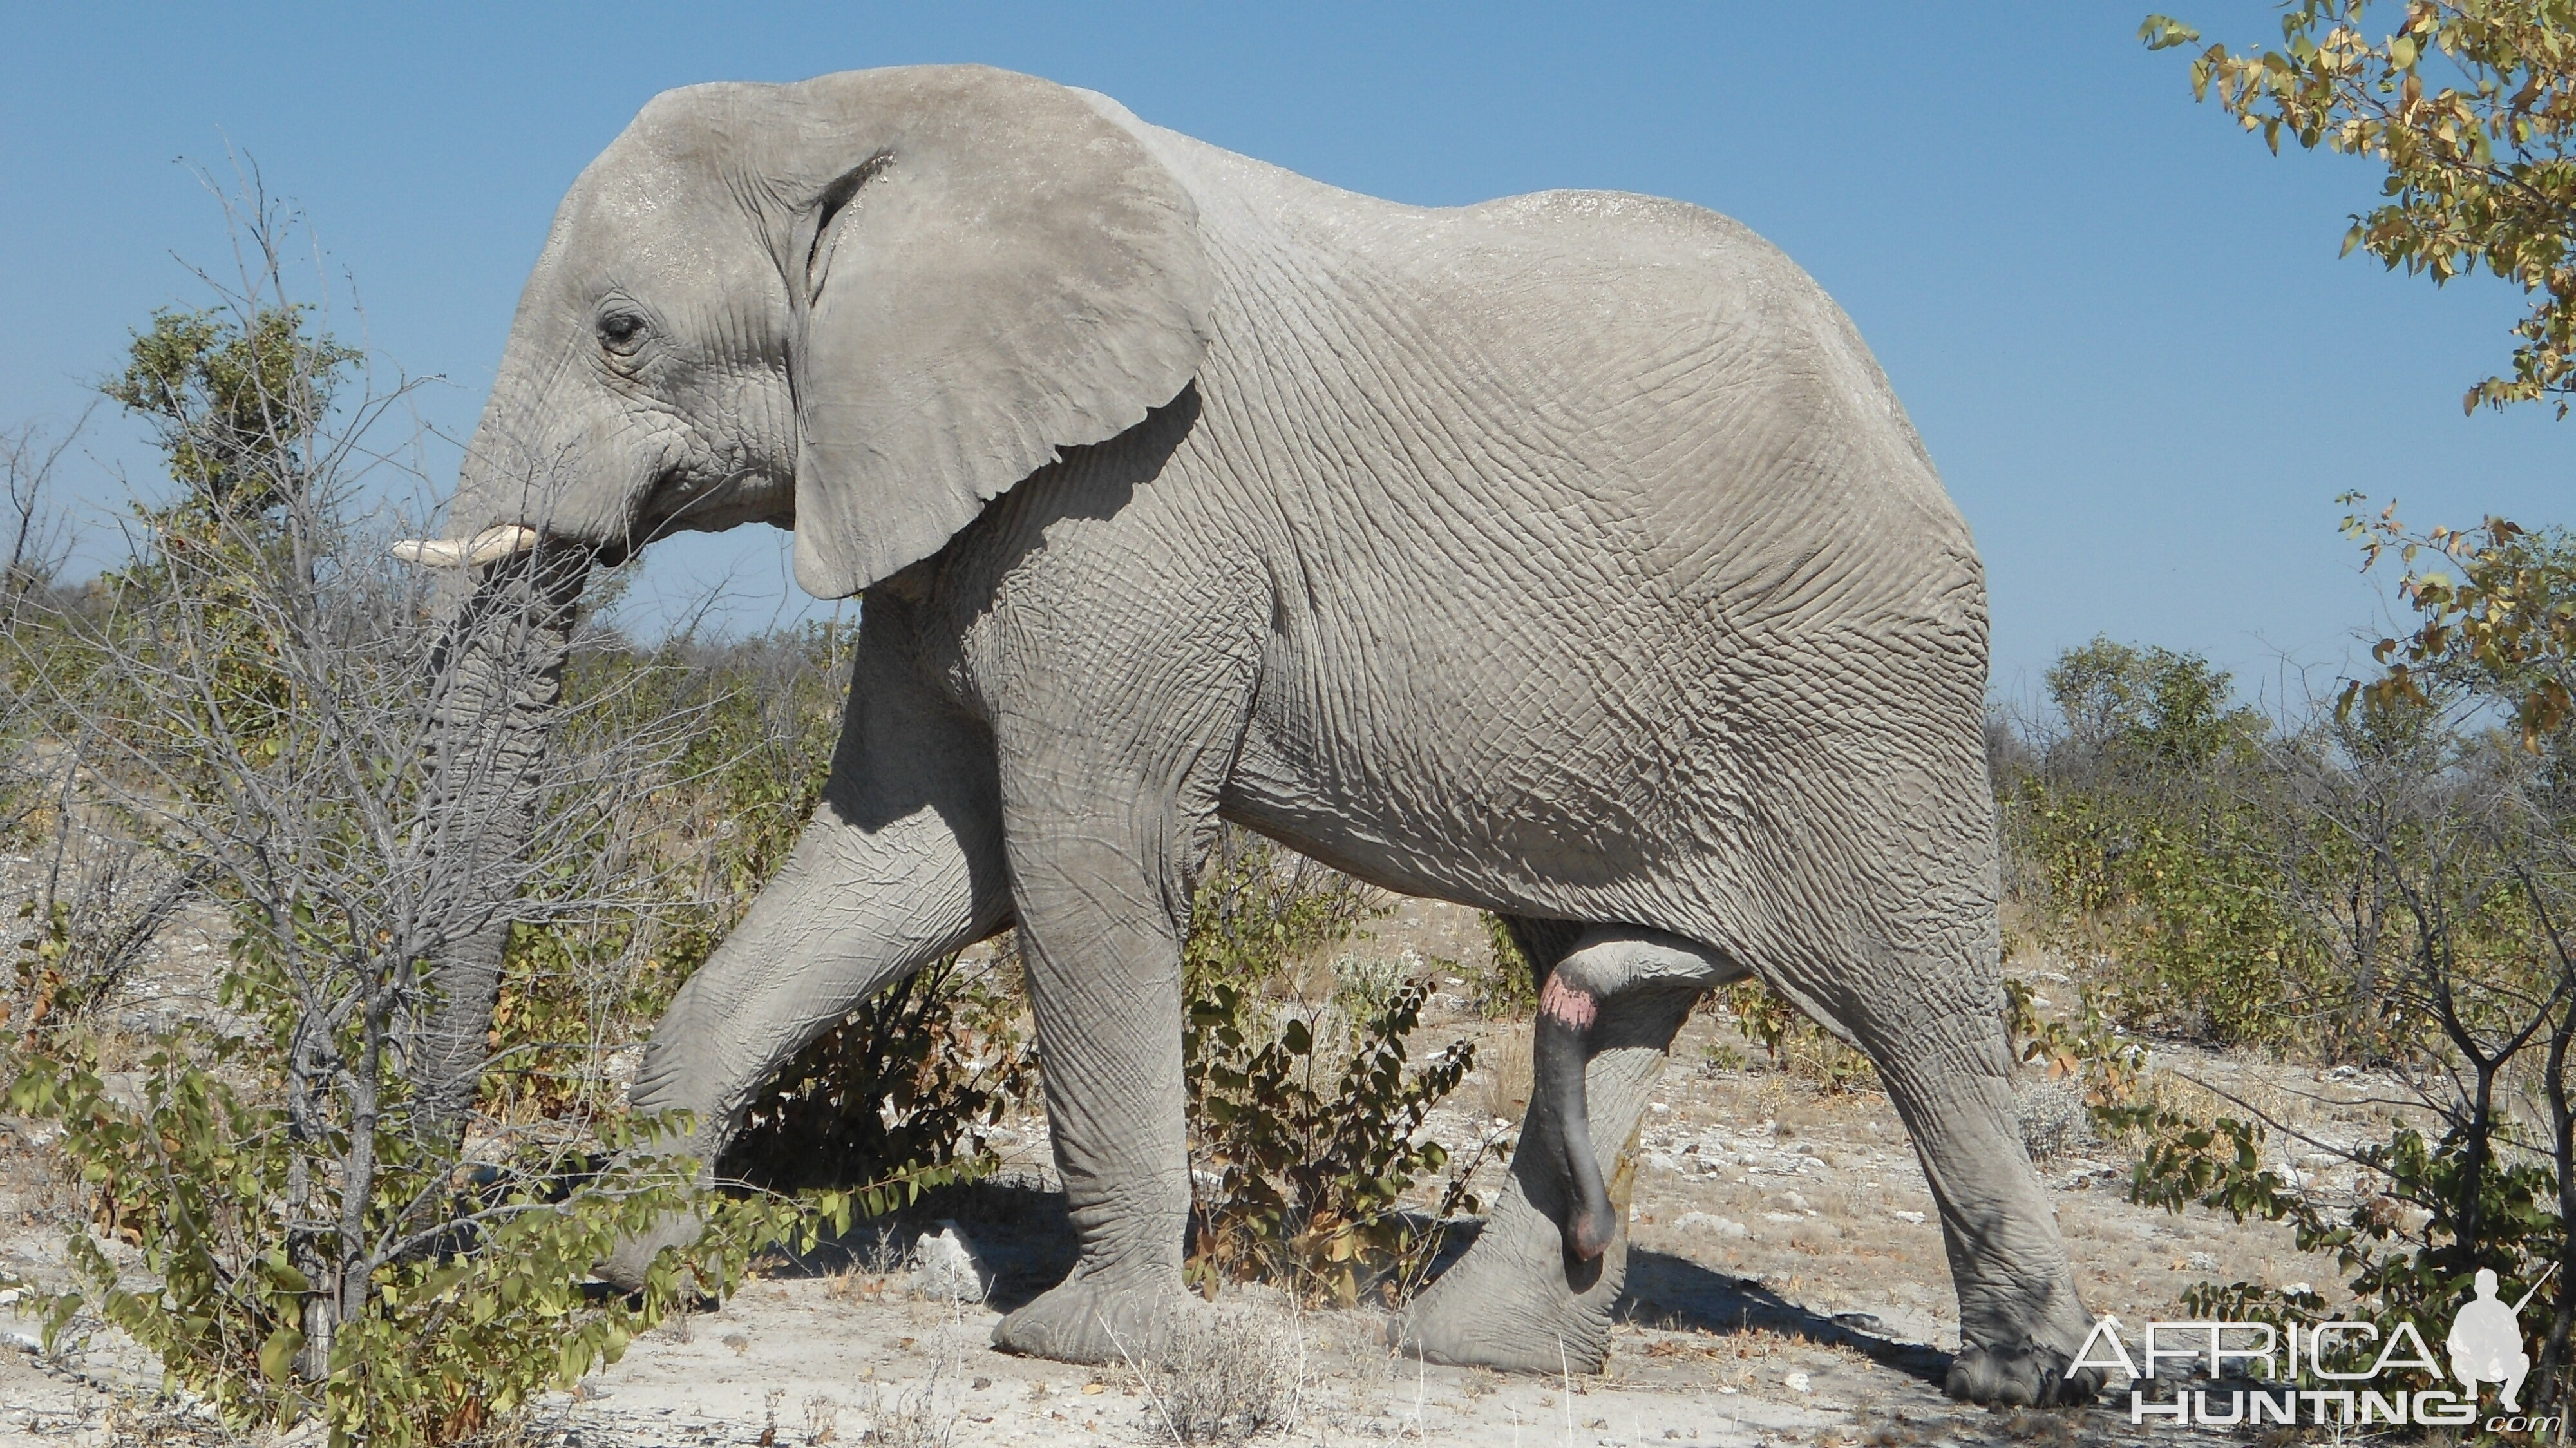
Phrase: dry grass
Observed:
(1503, 1061)
(911, 1417)
(1224, 1377)
(822, 1420)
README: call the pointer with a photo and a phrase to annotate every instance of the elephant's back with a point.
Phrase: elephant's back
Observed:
(1590, 515)
(1665, 376)
(1672, 326)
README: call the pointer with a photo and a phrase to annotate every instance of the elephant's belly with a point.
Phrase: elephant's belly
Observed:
(1409, 830)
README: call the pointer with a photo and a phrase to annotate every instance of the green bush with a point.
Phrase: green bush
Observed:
(207, 1179)
(1302, 1119)
(1505, 986)
(2151, 831)
(1311, 1163)
(2476, 1214)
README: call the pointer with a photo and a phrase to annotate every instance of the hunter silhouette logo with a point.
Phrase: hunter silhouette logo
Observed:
(2486, 1341)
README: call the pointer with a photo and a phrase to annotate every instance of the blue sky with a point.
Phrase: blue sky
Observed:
(2121, 326)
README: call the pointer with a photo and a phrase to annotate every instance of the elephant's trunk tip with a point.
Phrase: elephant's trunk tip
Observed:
(504, 540)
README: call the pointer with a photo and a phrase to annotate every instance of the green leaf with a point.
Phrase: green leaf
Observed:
(277, 1354)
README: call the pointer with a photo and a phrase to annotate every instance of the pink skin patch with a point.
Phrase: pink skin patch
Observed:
(1570, 1004)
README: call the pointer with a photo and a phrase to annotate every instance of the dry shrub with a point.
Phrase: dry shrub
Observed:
(1304, 1121)
(2052, 1117)
(1223, 1377)
(910, 1417)
(1794, 1044)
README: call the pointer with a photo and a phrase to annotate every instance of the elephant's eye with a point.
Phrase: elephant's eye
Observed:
(621, 332)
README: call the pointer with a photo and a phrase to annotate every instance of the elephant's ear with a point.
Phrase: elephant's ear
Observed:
(998, 273)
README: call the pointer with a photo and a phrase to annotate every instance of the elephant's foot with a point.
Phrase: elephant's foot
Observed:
(1093, 1319)
(2027, 1375)
(631, 1261)
(1513, 1321)
(1518, 1301)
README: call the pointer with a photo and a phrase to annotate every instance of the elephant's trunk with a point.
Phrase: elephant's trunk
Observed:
(497, 678)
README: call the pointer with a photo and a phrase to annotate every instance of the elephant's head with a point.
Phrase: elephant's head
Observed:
(861, 306)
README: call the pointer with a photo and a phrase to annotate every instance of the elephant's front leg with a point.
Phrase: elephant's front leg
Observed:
(852, 911)
(1535, 1292)
(1101, 910)
(901, 864)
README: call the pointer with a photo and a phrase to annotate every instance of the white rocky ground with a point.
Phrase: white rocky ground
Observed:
(1787, 1287)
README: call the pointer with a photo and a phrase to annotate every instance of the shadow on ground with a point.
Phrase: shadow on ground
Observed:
(1017, 1227)
(1020, 1229)
(1677, 1294)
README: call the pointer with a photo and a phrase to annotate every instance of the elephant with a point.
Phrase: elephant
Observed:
(1566, 556)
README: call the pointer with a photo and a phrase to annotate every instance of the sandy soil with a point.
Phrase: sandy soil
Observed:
(1788, 1286)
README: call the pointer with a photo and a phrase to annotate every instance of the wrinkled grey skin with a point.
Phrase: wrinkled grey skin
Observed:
(499, 675)
(1565, 556)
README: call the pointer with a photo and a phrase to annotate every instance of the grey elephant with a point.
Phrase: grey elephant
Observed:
(1565, 556)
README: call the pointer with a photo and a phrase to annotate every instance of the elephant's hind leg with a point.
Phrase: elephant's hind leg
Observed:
(1526, 1297)
(1943, 1058)
(1902, 959)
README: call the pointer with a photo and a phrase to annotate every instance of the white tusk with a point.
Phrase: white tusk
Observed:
(430, 553)
(505, 540)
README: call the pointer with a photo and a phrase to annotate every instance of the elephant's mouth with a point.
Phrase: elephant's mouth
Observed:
(673, 497)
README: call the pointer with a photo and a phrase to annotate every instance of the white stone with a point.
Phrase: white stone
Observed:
(1799, 1383)
(1915, 1218)
(947, 1268)
(1707, 1222)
